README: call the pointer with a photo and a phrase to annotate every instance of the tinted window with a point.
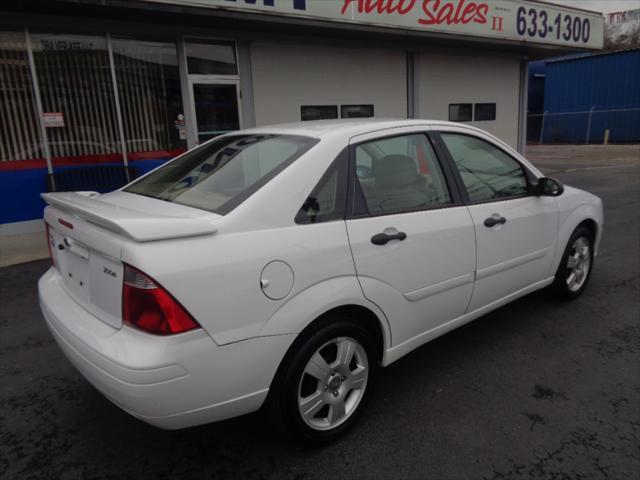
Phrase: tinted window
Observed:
(356, 111)
(399, 174)
(327, 200)
(487, 172)
(206, 58)
(221, 174)
(318, 112)
(460, 112)
(485, 112)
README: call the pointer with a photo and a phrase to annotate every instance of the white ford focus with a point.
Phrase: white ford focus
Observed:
(284, 265)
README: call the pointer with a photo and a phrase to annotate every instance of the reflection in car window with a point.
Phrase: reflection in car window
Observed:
(224, 172)
(487, 172)
(399, 174)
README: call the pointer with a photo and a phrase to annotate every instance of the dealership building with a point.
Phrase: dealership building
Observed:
(96, 92)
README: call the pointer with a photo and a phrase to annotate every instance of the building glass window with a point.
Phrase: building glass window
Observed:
(150, 97)
(356, 111)
(460, 112)
(318, 112)
(485, 112)
(208, 58)
(216, 107)
(19, 131)
(74, 77)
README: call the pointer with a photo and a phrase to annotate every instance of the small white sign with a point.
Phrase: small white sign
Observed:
(53, 119)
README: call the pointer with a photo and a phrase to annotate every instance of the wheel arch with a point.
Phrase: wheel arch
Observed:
(591, 225)
(586, 215)
(314, 305)
(363, 315)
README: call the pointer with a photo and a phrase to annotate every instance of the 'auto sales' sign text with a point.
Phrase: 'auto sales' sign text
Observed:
(518, 20)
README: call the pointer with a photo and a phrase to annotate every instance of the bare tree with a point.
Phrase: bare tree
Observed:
(623, 35)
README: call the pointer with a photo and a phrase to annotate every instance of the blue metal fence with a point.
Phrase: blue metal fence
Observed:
(590, 126)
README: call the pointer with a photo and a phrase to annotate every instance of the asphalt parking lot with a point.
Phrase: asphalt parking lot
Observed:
(538, 389)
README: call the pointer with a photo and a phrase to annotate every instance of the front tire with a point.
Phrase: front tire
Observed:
(325, 381)
(576, 265)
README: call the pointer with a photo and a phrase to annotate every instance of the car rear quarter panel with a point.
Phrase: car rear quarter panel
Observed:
(217, 277)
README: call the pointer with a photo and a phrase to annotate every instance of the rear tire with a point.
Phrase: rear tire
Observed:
(325, 381)
(576, 266)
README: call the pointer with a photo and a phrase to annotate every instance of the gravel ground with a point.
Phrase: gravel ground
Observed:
(537, 389)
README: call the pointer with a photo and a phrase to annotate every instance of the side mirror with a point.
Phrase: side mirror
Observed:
(549, 187)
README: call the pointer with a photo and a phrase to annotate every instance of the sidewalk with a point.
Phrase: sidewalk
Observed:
(16, 249)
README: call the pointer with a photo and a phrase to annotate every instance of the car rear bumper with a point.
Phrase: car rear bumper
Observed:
(170, 382)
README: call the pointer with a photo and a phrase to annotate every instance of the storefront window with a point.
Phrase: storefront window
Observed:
(150, 97)
(206, 58)
(19, 134)
(77, 95)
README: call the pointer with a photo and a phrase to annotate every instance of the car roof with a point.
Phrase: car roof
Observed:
(321, 128)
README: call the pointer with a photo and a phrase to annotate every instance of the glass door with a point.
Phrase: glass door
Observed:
(216, 107)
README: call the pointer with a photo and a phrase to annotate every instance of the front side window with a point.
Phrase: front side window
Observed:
(223, 173)
(398, 174)
(487, 172)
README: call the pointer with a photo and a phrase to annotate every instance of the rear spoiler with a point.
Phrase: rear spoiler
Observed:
(139, 226)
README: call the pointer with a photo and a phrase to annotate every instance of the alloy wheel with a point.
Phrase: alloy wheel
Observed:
(333, 383)
(578, 264)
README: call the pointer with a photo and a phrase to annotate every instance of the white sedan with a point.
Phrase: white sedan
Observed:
(282, 266)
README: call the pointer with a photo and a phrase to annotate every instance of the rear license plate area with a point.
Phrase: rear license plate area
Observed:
(72, 262)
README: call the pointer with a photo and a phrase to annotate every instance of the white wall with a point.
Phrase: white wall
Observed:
(483, 78)
(286, 76)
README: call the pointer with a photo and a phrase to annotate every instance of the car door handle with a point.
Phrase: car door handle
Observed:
(384, 238)
(494, 220)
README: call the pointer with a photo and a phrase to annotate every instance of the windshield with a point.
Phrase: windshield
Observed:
(223, 173)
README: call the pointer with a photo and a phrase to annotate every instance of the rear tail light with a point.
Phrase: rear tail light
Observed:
(149, 307)
(49, 242)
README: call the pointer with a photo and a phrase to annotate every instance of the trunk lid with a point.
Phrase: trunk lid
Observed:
(87, 232)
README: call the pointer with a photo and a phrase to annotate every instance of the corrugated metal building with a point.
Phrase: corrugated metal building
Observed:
(588, 95)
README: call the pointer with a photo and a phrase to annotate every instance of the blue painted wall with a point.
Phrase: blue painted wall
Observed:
(20, 190)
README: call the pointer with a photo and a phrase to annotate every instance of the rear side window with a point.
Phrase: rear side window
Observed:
(328, 199)
(488, 173)
(221, 174)
(398, 174)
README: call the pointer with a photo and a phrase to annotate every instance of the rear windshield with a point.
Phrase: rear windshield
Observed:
(223, 173)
